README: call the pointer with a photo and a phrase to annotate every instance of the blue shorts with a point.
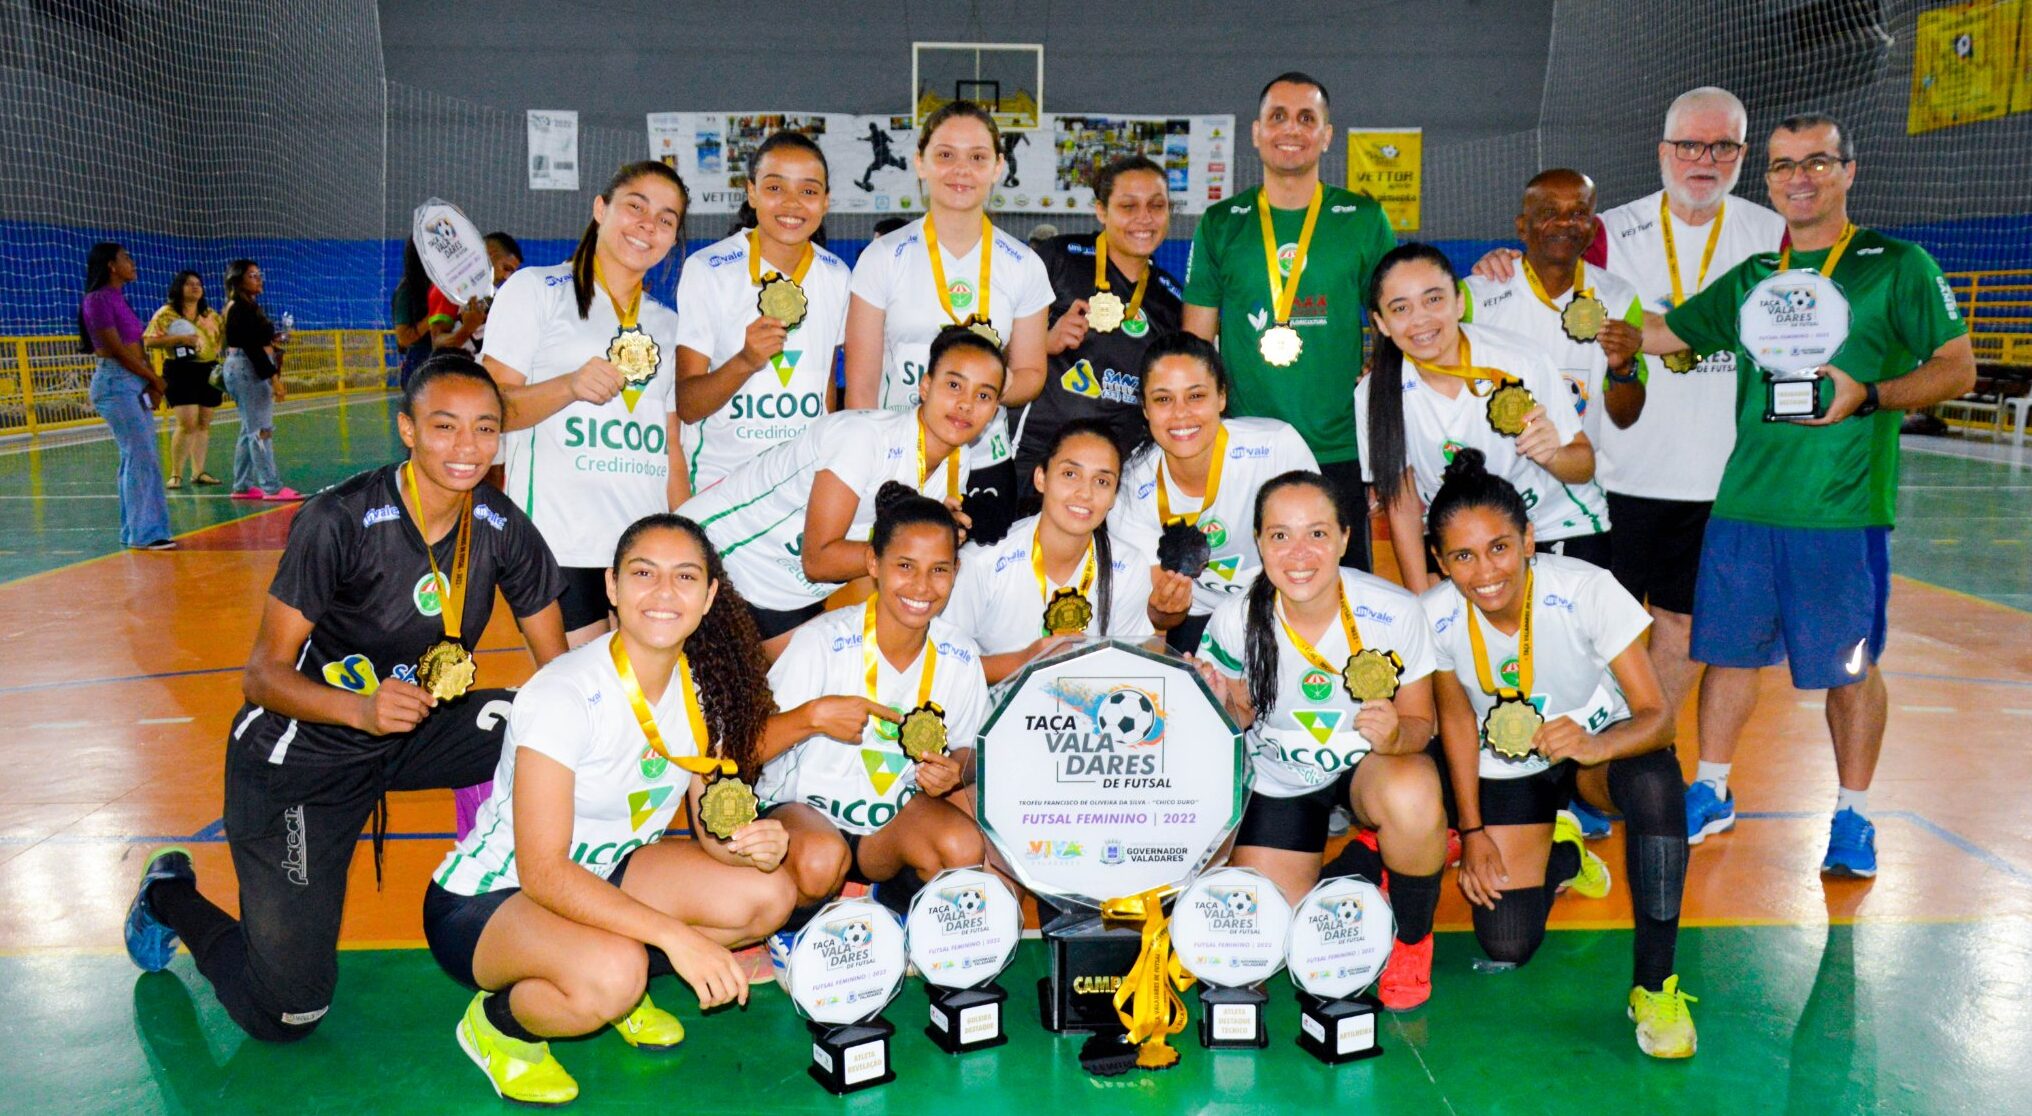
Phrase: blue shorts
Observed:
(1812, 597)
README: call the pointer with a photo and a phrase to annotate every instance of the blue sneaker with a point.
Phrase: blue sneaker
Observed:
(150, 944)
(779, 956)
(1851, 847)
(1706, 814)
(1594, 825)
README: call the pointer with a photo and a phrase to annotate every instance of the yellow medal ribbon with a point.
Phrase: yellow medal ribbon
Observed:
(1310, 652)
(1481, 653)
(1466, 370)
(1284, 292)
(755, 275)
(1213, 484)
(1148, 1002)
(987, 250)
(1834, 254)
(871, 656)
(625, 314)
(451, 592)
(639, 702)
(1037, 566)
(1101, 278)
(1578, 287)
(925, 467)
(1714, 237)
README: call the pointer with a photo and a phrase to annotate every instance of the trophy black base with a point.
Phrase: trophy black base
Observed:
(1793, 401)
(853, 1057)
(1232, 1018)
(1337, 1031)
(964, 1019)
(1087, 963)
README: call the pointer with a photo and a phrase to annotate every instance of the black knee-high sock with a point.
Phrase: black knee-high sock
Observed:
(503, 1017)
(1355, 859)
(1514, 930)
(1414, 898)
(1652, 796)
(896, 892)
(1562, 865)
(196, 919)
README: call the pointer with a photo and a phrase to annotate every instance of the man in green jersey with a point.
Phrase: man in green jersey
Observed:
(1796, 562)
(1292, 337)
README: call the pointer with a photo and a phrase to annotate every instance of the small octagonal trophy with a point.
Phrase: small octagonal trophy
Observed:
(1230, 929)
(844, 968)
(962, 929)
(1340, 940)
(1792, 324)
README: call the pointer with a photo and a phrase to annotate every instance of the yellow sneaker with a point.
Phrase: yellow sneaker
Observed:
(1592, 881)
(518, 1071)
(649, 1027)
(1664, 1025)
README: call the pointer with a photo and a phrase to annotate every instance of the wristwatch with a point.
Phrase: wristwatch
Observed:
(1869, 404)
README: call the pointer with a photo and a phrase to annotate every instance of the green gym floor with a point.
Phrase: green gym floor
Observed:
(118, 672)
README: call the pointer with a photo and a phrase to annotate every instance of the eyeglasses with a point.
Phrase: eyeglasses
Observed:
(1721, 151)
(1815, 166)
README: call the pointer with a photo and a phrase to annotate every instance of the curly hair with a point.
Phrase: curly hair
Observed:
(725, 652)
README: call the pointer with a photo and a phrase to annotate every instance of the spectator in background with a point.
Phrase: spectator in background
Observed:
(1041, 235)
(889, 225)
(186, 334)
(109, 330)
(407, 311)
(254, 378)
(505, 254)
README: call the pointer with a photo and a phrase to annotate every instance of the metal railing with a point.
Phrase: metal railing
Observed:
(1998, 308)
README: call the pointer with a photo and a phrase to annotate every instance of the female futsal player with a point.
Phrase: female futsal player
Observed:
(1543, 689)
(552, 904)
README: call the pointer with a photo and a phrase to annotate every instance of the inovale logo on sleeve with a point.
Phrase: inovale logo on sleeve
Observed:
(1112, 729)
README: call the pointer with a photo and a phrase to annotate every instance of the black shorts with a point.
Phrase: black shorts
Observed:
(1295, 824)
(190, 384)
(1532, 800)
(585, 596)
(453, 923)
(1184, 639)
(1657, 554)
(1593, 549)
(770, 623)
(853, 840)
(1346, 477)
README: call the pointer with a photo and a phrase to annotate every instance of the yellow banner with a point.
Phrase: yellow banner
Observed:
(1386, 164)
(2021, 90)
(1964, 62)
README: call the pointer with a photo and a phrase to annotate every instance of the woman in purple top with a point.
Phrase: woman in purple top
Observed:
(125, 392)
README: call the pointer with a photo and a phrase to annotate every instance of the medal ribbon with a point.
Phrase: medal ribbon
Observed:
(1148, 1002)
(1310, 652)
(1714, 237)
(1101, 277)
(1283, 292)
(1213, 484)
(1481, 652)
(1579, 289)
(925, 468)
(987, 250)
(1044, 582)
(451, 593)
(627, 314)
(1834, 254)
(1466, 369)
(871, 655)
(755, 275)
(639, 702)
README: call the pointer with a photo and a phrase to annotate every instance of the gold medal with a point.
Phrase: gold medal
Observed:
(1069, 613)
(1584, 318)
(923, 732)
(727, 804)
(1682, 362)
(1511, 725)
(1280, 346)
(1105, 312)
(1372, 675)
(446, 670)
(1507, 407)
(784, 300)
(635, 353)
(980, 326)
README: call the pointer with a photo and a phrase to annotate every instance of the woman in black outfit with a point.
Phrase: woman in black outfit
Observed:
(252, 378)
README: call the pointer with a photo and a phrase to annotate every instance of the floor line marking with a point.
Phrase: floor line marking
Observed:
(123, 552)
(165, 720)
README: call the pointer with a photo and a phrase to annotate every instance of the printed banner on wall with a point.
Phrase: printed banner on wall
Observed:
(1045, 170)
(553, 149)
(1964, 62)
(1386, 164)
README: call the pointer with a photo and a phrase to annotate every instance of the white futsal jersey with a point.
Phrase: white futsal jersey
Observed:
(1258, 450)
(1677, 447)
(1581, 619)
(585, 473)
(1435, 428)
(859, 785)
(1308, 740)
(755, 516)
(1513, 306)
(997, 601)
(624, 794)
(716, 302)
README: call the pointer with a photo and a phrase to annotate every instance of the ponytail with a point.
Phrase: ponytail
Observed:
(1469, 484)
(1386, 453)
(1259, 646)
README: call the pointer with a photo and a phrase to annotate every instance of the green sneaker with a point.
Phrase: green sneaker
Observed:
(1664, 1025)
(649, 1027)
(518, 1071)
(1592, 881)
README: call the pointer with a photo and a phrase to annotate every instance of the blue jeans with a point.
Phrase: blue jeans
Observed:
(144, 507)
(254, 451)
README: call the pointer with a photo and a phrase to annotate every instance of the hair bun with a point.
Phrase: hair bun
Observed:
(892, 494)
(1467, 463)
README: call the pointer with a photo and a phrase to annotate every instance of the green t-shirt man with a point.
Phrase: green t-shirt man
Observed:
(1227, 272)
(1783, 474)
